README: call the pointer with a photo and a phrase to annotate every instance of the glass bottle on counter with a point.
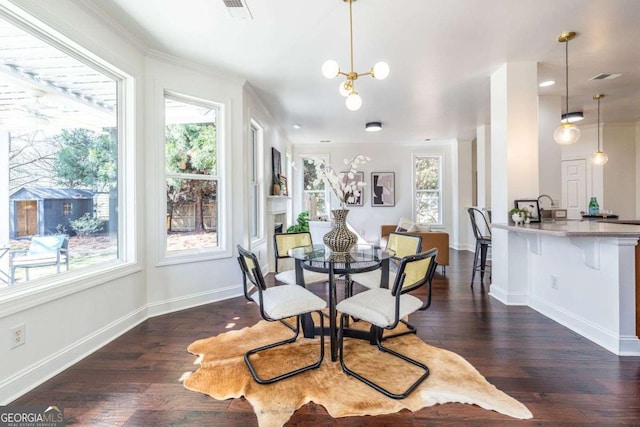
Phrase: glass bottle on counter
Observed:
(594, 208)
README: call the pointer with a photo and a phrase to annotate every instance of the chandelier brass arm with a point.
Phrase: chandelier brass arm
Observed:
(331, 70)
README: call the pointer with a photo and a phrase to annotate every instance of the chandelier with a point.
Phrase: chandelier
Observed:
(331, 70)
(599, 157)
(567, 133)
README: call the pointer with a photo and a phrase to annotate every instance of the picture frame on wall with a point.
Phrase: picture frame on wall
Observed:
(383, 191)
(276, 169)
(530, 205)
(357, 177)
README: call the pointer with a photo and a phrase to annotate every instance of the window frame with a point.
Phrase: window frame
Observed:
(415, 190)
(327, 193)
(17, 298)
(196, 254)
(256, 182)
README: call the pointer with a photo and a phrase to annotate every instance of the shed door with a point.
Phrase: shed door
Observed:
(27, 218)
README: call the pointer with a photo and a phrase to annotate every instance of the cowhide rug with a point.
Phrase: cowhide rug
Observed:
(224, 375)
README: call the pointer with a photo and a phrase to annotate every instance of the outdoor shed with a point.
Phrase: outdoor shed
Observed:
(44, 211)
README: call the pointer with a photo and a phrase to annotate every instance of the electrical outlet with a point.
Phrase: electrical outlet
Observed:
(17, 336)
(554, 282)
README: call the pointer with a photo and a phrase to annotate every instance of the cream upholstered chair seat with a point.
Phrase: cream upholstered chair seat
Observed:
(399, 245)
(278, 303)
(282, 242)
(384, 309)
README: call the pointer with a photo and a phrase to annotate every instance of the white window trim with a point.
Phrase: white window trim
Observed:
(414, 190)
(254, 126)
(15, 299)
(222, 122)
(300, 178)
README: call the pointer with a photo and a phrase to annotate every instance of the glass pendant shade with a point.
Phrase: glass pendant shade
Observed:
(354, 102)
(566, 134)
(599, 158)
(330, 69)
(381, 70)
(345, 88)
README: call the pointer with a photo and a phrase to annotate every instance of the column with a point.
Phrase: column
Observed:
(514, 166)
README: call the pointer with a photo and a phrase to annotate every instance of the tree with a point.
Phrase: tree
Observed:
(85, 160)
(191, 150)
(31, 157)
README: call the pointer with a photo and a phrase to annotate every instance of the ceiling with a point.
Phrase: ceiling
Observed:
(441, 53)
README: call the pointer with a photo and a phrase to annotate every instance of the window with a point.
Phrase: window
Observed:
(428, 189)
(60, 135)
(255, 153)
(315, 197)
(191, 170)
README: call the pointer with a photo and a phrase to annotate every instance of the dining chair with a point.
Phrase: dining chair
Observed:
(482, 232)
(282, 242)
(278, 303)
(399, 245)
(384, 308)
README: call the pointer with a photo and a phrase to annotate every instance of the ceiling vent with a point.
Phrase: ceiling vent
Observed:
(238, 9)
(605, 76)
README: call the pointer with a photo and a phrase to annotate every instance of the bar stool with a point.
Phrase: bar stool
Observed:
(483, 242)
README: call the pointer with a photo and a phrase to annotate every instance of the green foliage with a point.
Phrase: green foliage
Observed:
(86, 225)
(86, 160)
(302, 225)
(190, 148)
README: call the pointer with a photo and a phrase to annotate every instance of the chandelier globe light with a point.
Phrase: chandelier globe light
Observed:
(599, 158)
(331, 70)
(567, 133)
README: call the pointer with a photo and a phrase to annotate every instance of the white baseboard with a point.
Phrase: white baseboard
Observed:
(21, 382)
(27, 379)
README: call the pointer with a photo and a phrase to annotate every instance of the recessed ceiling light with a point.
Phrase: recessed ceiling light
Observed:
(427, 139)
(547, 83)
(297, 126)
(373, 126)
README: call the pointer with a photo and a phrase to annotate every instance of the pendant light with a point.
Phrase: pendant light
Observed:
(567, 133)
(347, 88)
(599, 157)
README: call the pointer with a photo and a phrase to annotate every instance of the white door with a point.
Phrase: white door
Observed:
(574, 187)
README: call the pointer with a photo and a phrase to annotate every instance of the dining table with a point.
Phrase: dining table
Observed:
(321, 259)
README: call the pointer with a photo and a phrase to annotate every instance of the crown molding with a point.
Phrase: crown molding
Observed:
(195, 66)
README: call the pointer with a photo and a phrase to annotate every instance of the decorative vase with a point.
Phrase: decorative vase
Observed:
(340, 239)
(276, 189)
(517, 218)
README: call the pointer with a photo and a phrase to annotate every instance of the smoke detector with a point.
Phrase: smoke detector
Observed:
(238, 9)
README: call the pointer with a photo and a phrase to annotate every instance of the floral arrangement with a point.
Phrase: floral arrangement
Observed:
(342, 185)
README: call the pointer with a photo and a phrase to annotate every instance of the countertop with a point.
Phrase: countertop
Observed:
(578, 228)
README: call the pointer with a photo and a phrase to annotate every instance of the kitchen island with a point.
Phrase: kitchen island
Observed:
(582, 274)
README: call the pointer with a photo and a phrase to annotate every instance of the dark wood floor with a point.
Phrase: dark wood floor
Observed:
(563, 378)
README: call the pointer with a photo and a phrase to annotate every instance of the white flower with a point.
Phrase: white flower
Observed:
(344, 187)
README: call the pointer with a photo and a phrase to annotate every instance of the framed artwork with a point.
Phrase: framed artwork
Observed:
(276, 164)
(357, 177)
(383, 191)
(284, 188)
(530, 205)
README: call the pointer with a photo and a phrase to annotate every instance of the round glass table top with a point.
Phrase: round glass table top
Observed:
(360, 258)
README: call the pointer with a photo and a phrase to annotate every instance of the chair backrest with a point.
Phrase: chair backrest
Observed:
(415, 271)
(48, 245)
(479, 224)
(250, 269)
(402, 245)
(282, 242)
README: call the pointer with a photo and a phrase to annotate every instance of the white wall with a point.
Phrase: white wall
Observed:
(397, 158)
(70, 319)
(619, 181)
(549, 151)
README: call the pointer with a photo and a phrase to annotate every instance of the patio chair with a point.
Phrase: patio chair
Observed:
(43, 251)
(277, 303)
(384, 308)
